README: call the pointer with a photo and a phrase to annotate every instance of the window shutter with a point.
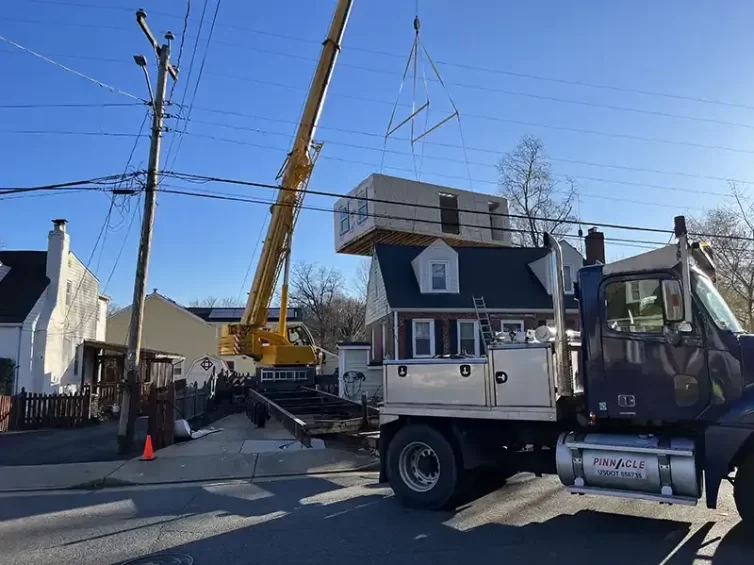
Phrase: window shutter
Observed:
(408, 340)
(453, 336)
(438, 337)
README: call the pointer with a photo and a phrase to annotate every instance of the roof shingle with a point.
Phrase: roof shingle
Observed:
(500, 274)
(22, 286)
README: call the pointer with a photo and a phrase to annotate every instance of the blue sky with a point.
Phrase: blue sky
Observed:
(691, 50)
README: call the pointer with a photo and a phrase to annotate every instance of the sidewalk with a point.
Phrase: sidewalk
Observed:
(240, 451)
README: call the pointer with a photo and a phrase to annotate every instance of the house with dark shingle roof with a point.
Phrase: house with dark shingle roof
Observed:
(49, 305)
(420, 299)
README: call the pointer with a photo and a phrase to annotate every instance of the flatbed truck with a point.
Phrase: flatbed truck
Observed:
(653, 399)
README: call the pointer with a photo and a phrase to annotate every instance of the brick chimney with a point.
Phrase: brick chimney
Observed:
(594, 243)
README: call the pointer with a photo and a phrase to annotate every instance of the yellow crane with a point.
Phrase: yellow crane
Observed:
(250, 337)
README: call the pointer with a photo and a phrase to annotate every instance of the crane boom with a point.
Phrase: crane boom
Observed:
(246, 338)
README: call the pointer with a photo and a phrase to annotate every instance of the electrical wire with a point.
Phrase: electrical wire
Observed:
(70, 70)
(79, 184)
(180, 46)
(67, 105)
(67, 132)
(441, 159)
(196, 84)
(203, 179)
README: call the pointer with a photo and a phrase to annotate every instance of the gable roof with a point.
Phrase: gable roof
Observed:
(500, 274)
(22, 286)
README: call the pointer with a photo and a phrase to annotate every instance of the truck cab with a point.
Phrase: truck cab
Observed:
(653, 399)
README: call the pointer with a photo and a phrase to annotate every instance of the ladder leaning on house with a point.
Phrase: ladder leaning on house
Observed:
(480, 307)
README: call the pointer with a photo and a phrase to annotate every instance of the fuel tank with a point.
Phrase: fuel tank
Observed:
(637, 466)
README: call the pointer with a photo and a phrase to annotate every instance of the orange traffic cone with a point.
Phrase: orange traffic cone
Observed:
(148, 452)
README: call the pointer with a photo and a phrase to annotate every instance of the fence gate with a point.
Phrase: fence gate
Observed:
(160, 413)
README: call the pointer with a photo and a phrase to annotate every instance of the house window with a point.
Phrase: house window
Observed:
(449, 213)
(568, 279)
(68, 293)
(439, 270)
(363, 207)
(424, 338)
(508, 326)
(345, 219)
(497, 221)
(468, 338)
(634, 306)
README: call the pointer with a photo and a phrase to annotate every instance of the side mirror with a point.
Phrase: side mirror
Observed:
(672, 300)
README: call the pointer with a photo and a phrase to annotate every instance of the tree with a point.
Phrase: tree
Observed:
(534, 196)
(330, 312)
(113, 308)
(734, 258)
(214, 302)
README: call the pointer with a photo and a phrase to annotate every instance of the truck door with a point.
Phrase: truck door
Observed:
(648, 374)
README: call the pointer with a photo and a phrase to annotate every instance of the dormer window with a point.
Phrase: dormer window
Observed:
(439, 272)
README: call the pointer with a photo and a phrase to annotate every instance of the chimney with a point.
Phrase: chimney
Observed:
(58, 245)
(594, 242)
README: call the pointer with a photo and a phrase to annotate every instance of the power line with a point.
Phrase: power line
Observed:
(78, 184)
(617, 135)
(180, 47)
(203, 178)
(70, 70)
(505, 91)
(442, 159)
(68, 105)
(556, 159)
(67, 132)
(198, 80)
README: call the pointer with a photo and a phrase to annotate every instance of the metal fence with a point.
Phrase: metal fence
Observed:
(191, 401)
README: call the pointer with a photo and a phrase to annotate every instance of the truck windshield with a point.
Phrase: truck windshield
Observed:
(714, 303)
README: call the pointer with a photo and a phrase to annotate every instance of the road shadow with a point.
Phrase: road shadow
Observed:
(343, 521)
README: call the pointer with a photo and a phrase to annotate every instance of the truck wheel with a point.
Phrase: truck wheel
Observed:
(423, 467)
(743, 492)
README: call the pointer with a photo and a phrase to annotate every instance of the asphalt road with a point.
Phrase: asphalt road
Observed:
(352, 520)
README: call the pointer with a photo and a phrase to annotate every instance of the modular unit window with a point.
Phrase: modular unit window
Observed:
(634, 306)
(449, 220)
(363, 207)
(468, 338)
(568, 279)
(345, 219)
(68, 293)
(439, 270)
(497, 221)
(424, 338)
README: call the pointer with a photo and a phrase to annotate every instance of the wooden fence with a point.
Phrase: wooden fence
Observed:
(30, 410)
(160, 409)
(191, 401)
(109, 394)
(6, 413)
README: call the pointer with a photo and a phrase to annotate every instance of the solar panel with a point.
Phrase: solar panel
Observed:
(218, 313)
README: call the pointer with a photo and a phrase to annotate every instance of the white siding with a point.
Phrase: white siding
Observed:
(355, 359)
(377, 306)
(397, 211)
(542, 267)
(357, 225)
(438, 251)
(82, 312)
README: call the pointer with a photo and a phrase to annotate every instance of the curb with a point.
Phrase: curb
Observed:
(108, 482)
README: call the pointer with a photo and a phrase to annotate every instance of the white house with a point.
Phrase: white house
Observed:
(49, 304)
(392, 210)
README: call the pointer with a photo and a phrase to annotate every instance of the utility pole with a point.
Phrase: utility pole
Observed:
(131, 390)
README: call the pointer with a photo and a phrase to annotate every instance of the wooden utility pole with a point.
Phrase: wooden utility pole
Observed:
(131, 387)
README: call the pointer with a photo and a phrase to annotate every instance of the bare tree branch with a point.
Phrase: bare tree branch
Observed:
(214, 302)
(526, 180)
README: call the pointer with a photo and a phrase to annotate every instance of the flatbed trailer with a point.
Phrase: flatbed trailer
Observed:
(308, 413)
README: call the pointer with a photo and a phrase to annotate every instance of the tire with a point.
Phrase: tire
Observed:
(423, 467)
(743, 492)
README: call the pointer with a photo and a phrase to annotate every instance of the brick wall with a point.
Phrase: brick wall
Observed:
(531, 321)
(380, 326)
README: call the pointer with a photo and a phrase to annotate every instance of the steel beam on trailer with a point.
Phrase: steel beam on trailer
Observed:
(296, 426)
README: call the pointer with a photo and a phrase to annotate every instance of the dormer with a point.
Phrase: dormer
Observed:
(436, 269)
(572, 262)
